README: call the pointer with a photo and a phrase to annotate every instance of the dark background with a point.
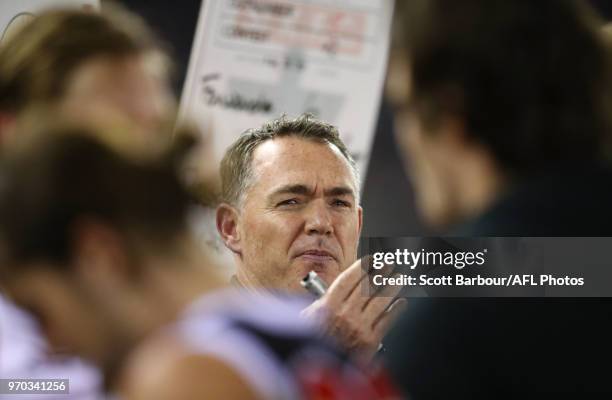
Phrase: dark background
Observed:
(387, 197)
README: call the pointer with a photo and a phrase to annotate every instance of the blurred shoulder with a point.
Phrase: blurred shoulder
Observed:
(164, 369)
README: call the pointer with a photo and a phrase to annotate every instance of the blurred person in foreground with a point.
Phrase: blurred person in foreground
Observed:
(100, 68)
(290, 192)
(503, 115)
(97, 246)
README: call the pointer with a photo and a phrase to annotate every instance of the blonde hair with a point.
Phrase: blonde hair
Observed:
(37, 61)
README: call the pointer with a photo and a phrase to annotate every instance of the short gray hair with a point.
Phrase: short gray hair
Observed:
(236, 171)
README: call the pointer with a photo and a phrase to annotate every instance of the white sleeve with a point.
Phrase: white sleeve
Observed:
(23, 355)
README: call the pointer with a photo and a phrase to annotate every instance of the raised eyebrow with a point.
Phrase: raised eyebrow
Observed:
(292, 189)
(339, 191)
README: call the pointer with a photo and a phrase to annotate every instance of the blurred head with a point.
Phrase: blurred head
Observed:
(291, 203)
(100, 68)
(491, 92)
(84, 231)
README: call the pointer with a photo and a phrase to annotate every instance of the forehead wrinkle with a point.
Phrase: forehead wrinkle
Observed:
(267, 154)
(340, 191)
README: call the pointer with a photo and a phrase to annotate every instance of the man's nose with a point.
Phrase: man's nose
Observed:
(318, 219)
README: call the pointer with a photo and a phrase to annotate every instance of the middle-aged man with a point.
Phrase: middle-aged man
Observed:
(295, 196)
(291, 205)
(504, 118)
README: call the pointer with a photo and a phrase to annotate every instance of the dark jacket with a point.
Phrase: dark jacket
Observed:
(510, 347)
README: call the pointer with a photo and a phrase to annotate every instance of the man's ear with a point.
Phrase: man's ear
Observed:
(7, 125)
(453, 146)
(227, 226)
(453, 128)
(99, 255)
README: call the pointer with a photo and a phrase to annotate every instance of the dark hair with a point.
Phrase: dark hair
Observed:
(530, 79)
(68, 175)
(36, 63)
(236, 164)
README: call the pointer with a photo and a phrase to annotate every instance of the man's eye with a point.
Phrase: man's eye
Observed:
(340, 203)
(288, 202)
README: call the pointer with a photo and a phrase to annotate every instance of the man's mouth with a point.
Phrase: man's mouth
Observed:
(317, 256)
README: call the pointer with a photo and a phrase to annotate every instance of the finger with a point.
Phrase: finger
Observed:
(364, 290)
(361, 297)
(342, 287)
(382, 325)
(386, 271)
(378, 305)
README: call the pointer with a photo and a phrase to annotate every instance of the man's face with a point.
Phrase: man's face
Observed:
(299, 214)
(422, 151)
